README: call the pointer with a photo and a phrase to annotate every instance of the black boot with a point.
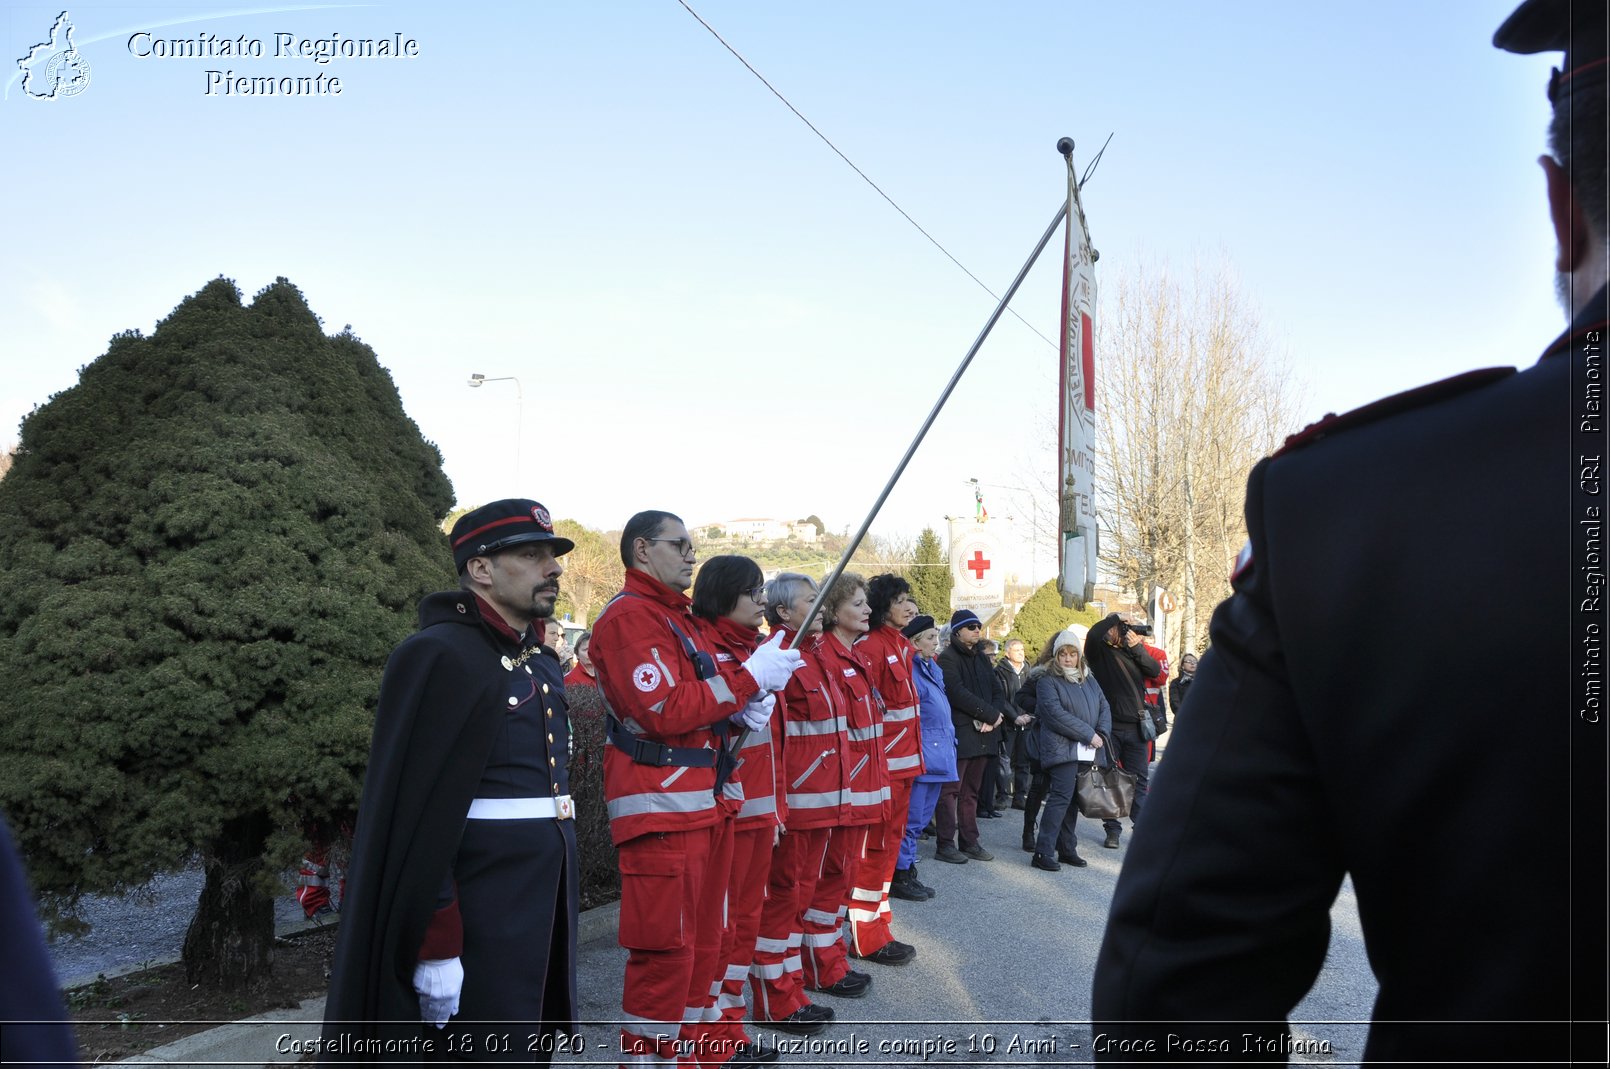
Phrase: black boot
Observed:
(916, 882)
(903, 887)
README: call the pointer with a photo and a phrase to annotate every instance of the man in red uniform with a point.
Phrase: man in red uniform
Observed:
(887, 655)
(670, 709)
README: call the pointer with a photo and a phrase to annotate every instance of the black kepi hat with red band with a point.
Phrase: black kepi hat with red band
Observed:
(503, 525)
(1575, 27)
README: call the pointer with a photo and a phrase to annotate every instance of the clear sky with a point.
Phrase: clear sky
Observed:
(707, 311)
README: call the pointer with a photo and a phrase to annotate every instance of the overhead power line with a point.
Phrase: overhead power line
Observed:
(864, 177)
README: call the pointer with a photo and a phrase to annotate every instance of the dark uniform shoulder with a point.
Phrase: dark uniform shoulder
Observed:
(1375, 411)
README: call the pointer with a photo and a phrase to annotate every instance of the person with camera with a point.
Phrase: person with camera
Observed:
(1118, 659)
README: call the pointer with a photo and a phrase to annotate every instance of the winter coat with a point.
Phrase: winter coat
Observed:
(976, 699)
(938, 733)
(1070, 713)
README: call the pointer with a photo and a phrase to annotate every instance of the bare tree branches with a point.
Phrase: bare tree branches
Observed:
(1191, 394)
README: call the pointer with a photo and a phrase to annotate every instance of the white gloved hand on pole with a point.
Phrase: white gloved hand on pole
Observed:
(771, 664)
(757, 714)
(438, 983)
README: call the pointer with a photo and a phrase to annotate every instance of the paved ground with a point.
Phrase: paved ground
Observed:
(1002, 976)
(1005, 954)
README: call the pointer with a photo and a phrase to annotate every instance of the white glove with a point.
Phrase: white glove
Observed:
(757, 714)
(771, 665)
(438, 984)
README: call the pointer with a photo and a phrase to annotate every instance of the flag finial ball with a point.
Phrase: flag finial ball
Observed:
(1065, 145)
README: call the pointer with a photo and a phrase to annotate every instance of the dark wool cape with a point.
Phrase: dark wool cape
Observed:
(442, 703)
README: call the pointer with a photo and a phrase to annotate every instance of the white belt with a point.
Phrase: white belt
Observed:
(559, 807)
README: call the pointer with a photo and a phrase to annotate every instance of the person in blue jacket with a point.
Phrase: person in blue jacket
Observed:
(1072, 711)
(938, 754)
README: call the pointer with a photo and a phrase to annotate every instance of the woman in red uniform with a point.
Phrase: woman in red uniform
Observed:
(847, 613)
(813, 783)
(887, 655)
(729, 603)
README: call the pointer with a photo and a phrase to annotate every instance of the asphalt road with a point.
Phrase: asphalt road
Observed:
(145, 927)
(981, 990)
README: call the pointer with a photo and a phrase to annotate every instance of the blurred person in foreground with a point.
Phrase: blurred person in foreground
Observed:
(1314, 751)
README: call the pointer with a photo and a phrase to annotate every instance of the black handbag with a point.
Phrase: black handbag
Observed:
(1102, 790)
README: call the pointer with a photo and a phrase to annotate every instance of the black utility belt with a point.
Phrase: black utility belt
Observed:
(647, 752)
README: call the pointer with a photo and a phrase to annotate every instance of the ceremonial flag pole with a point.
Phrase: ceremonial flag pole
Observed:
(933, 414)
(1076, 423)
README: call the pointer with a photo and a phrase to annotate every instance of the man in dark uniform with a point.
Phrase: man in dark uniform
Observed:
(1317, 747)
(462, 891)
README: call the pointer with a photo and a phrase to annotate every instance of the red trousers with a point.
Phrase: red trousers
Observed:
(775, 982)
(673, 886)
(746, 897)
(869, 885)
(825, 959)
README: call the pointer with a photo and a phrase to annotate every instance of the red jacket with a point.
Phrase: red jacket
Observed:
(868, 785)
(815, 759)
(578, 677)
(888, 656)
(652, 687)
(758, 768)
(1155, 685)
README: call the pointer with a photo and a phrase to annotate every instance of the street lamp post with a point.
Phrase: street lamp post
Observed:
(477, 380)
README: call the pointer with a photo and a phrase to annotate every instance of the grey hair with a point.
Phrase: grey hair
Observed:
(781, 590)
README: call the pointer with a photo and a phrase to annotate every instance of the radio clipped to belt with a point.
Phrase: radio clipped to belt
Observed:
(646, 752)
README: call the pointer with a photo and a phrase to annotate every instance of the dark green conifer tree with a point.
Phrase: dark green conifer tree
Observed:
(929, 576)
(208, 547)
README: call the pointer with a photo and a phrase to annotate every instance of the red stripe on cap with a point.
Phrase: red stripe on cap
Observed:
(488, 526)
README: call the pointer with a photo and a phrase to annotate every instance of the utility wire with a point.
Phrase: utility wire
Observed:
(934, 241)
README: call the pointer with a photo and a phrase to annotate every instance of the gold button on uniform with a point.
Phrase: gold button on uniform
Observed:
(550, 738)
(550, 762)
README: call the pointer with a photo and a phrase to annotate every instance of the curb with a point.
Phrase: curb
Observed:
(284, 1036)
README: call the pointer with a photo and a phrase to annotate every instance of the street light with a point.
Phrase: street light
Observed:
(477, 380)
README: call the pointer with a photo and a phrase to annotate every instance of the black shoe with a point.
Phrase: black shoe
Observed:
(1072, 859)
(894, 952)
(1112, 841)
(978, 853)
(1028, 843)
(753, 1054)
(805, 1021)
(905, 889)
(918, 884)
(1042, 862)
(947, 852)
(1017, 803)
(851, 985)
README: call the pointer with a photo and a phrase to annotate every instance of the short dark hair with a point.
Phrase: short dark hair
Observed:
(721, 582)
(1577, 140)
(881, 592)
(645, 524)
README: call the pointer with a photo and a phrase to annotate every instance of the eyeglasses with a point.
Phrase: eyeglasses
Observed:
(757, 595)
(683, 546)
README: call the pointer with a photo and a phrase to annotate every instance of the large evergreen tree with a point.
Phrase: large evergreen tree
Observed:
(929, 576)
(207, 549)
(1043, 615)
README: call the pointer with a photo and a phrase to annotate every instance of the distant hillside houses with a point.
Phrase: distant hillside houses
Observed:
(752, 530)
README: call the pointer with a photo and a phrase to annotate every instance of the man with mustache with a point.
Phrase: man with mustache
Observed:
(462, 892)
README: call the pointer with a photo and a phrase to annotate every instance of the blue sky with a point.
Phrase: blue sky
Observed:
(706, 309)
